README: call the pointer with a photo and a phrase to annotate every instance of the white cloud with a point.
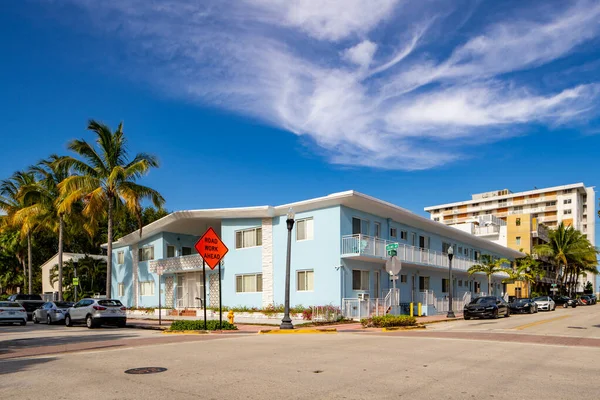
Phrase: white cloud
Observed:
(362, 53)
(388, 101)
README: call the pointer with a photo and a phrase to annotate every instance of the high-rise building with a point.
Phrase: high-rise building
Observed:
(573, 205)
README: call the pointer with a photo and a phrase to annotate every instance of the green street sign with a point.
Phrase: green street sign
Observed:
(75, 281)
(392, 253)
(391, 246)
(554, 285)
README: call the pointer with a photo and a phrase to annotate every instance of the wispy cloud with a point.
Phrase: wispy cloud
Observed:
(364, 80)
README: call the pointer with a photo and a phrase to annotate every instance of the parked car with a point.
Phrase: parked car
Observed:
(486, 307)
(30, 302)
(523, 306)
(12, 312)
(592, 298)
(97, 312)
(584, 300)
(564, 301)
(545, 303)
(52, 311)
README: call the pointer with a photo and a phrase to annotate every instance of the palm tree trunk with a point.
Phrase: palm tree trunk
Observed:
(29, 272)
(60, 257)
(24, 274)
(109, 249)
(489, 285)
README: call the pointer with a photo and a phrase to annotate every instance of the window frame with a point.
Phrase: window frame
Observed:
(305, 272)
(256, 282)
(518, 240)
(141, 253)
(121, 257)
(257, 238)
(121, 289)
(362, 274)
(446, 283)
(394, 233)
(150, 284)
(403, 278)
(170, 246)
(306, 231)
(404, 235)
(568, 211)
(187, 247)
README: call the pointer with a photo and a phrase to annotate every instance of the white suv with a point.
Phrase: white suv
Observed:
(96, 312)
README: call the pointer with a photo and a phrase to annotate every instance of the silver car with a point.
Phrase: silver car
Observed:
(12, 312)
(97, 312)
(51, 312)
(545, 303)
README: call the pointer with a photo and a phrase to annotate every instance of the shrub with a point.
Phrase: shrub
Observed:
(388, 321)
(198, 325)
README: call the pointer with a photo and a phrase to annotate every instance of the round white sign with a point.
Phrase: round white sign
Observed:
(393, 266)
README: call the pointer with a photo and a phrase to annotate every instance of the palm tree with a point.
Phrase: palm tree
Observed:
(11, 201)
(490, 266)
(106, 181)
(43, 196)
(568, 249)
(526, 269)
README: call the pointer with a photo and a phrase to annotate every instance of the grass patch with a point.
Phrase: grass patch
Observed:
(211, 325)
(388, 321)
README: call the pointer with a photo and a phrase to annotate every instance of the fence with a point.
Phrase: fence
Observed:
(325, 313)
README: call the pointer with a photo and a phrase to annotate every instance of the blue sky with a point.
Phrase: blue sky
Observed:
(272, 101)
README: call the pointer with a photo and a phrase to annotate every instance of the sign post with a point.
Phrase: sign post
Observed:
(393, 266)
(212, 250)
(159, 271)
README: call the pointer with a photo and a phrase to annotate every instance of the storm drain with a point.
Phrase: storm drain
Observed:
(145, 370)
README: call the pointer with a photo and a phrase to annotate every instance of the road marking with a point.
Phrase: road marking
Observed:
(521, 327)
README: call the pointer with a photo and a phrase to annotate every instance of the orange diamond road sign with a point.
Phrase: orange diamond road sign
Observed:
(211, 248)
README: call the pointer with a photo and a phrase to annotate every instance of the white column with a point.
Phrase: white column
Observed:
(267, 261)
(135, 268)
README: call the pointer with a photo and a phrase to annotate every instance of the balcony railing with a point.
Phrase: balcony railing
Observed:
(175, 264)
(487, 230)
(363, 245)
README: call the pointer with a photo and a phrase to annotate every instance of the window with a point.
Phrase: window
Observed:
(248, 238)
(403, 235)
(186, 251)
(518, 239)
(488, 212)
(121, 257)
(360, 226)
(550, 203)
(403, 278)
(460, 283)
(503, 202)
(466, 252)
(360, 280)
(146, 253)
(304, 229)
(147, 288)
(445, 285)
(567, 191)
(250, 283)
(518, 222)
(460, 250)
(305, 280)
(121, 289)
(170, 251)
(475, 214)
(423, 283)
(567, 201)
(519, 208)
(437, 219)
(477, 255)
(377, 229)
(567, 211)
(413, 238)
(393, 233)
(445, 247)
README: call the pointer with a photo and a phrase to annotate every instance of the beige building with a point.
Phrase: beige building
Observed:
(523, 214)
(49, 288)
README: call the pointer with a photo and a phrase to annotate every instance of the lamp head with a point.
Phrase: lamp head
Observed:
(450, 251)
(291, 214)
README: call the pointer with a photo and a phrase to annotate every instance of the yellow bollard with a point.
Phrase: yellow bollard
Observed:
(419, 311)
(412, 309)
(230, 317)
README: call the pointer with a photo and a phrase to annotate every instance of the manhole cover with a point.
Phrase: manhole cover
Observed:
(145, 370)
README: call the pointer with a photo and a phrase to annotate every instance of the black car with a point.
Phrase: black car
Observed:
(564, 301)
(592, 298)
(523, 306)
(486, 307)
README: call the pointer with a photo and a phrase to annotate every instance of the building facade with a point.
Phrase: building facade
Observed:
(338, 252)
(573, 205)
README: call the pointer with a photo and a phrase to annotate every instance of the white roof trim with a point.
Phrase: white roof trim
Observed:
(349, 198)
(507, 196)
(69, 256)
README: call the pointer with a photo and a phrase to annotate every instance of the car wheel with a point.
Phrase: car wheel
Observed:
(565, 305)
(49, 320)
(496, 315)
(34, 319)
(507, 313)
(68, 321)
(23, 323)
(89, 322)
(122, 324)
(531, 310)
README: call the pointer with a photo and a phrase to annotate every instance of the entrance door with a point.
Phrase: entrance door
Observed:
(377, 288)
(189, 290)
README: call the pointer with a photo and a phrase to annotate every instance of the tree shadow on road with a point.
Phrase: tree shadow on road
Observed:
(17, 365)
(12, 345)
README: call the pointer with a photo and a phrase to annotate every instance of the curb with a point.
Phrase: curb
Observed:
(147, 327)
(296, 331)
(185, 332)
(402, 328)
(439, 321)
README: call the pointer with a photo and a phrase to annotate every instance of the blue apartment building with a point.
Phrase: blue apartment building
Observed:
(338, 257)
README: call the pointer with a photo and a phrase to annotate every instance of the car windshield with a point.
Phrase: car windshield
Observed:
(9, 304)
(521, 301)
(114, 303)
(63, 304)
(484, 300)
(541, 298)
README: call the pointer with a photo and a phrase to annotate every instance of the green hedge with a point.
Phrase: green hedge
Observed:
(211, 325)
(388, 321)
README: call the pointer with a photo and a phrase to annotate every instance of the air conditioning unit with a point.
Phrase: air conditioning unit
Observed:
(363, 296)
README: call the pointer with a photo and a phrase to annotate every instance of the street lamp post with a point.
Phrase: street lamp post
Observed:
(450, 255)
(286, 322)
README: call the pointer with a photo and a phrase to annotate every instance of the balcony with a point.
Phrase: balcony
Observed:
(373, 249)
(541, 232)
(175, 264)
(489, 230)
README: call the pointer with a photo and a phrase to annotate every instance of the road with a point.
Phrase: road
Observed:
(378, 365)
